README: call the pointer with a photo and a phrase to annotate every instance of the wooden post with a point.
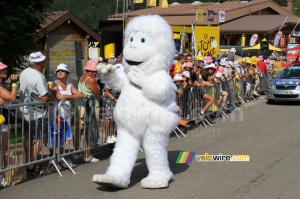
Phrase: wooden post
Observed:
(228, 39)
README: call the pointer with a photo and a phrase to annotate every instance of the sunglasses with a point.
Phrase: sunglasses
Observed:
(62, 71)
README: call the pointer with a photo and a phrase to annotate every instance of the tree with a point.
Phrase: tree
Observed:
(19, 21)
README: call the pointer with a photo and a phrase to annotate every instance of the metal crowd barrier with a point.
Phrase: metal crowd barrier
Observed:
(64, 136)
(264, 80)
(18, 143)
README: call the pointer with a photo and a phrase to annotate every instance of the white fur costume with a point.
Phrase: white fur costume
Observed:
(146, 112)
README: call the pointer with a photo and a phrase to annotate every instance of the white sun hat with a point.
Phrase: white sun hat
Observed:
(186, 74)
(223, 62)
(177, 77)
(212, 65)
(36, 57)
(236, 64)
(62, 67)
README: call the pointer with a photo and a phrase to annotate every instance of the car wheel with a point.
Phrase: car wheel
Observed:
(271, 101)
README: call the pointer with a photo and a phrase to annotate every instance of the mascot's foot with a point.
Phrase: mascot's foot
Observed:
(109, 181)
(154, 182)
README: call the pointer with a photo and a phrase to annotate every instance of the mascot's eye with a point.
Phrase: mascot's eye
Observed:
(143, 40)
(131, 39)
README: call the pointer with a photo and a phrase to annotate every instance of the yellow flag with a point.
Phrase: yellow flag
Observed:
(138, 1)
(151, 3)
(199, 15)
(243, 41)
(164, 3)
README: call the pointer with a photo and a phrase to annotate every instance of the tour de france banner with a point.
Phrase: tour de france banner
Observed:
(207, 40)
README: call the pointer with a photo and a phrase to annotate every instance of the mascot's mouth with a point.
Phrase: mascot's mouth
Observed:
(133, 63)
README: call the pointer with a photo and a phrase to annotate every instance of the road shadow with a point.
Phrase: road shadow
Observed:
(140, 171)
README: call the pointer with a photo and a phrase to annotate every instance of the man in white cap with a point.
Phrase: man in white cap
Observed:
(33, 88)
(230, 56)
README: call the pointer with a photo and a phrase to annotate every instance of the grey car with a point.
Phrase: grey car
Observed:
(286, 85)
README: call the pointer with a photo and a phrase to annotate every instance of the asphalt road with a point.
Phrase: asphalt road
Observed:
(269, 134)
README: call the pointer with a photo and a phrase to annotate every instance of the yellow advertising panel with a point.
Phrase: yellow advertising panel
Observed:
(108, 50)
(179, 29)
(138, 1)
(207, 40)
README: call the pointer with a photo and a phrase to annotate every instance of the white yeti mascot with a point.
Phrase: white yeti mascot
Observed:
(146, 112)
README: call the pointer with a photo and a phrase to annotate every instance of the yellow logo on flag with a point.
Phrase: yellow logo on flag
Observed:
(207, 40)
(199, 15)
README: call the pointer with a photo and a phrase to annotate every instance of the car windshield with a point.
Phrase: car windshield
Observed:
(289, 73)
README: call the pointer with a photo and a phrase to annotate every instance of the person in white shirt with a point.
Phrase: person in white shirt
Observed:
(34, 88)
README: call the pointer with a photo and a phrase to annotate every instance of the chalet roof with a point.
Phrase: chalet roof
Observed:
(55, 19)
(184, 13)
(254, 23)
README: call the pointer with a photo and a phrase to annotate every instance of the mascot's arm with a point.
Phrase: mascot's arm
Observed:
(115, 80)
(157, 87)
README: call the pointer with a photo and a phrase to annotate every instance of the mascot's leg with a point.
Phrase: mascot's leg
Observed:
(156, 150)
(121, 162)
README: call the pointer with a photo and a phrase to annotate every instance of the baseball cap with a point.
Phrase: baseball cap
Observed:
(232, 50)
(36, 57)
(62, 67)
(100, 59)
(196, 64)
(112, 55)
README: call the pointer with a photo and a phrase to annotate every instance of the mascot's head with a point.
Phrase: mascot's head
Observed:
(148, 44)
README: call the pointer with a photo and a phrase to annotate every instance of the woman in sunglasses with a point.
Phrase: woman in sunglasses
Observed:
(63, 89)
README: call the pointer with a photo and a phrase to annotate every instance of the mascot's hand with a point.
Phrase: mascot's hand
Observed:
(104, 69)
(137, 76)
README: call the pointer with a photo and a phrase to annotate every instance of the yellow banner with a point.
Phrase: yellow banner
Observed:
(179, 29)
(199, 15)
(164, 3)
(151, 3)
(207, 40)
(138, 1)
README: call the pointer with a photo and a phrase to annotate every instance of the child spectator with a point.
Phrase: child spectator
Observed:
(178, 66)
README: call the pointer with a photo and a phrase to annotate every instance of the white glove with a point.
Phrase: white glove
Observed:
(104, 69)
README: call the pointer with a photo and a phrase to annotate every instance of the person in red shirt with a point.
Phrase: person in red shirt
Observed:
(262, 65)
